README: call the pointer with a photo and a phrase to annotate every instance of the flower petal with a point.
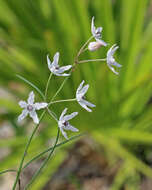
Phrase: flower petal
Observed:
(22, 115)
(34, 116)
(56, 59)
(70, 116)
(49, 63)
(62, 114)
(103, 43)
(39, 106)
(84, 89)
(31, 98)
(64, 68)
(99, 30)
(112, 50)
(93, 29)
(117, 64)
(58, 74)
(84, 106)
(71, 128)
(80, 87)
(22, 104)
(88, 103)
(113, 70)
(63, 133)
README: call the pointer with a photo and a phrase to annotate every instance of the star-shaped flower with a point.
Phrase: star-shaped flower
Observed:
(64, 124)
(110, 59)
(96, 32)
(55, 68)
(30, 108)
(81, 90)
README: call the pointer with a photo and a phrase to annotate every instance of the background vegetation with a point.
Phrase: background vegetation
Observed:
(122, 119)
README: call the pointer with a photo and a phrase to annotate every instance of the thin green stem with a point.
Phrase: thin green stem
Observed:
(60, 88)
(58, 101)
(5, 171)
(25, 151)
(45, 162)
(85, 49)
(47, 150)
(35, 129)
(82, 48)
(91, 60)
(32, 85)
(47, 85)
(52, 115)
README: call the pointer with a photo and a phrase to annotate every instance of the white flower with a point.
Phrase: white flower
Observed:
(81, 90)
(30, 108)
(96, 32)
(110, 59)
(55, 68)
(64, 124)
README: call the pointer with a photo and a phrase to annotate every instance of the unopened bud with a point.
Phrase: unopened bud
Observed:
(93, 46)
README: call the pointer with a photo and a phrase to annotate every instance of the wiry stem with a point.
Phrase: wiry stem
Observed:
(42, 115)
(44, 163)
(25, 151)
(5, 171)
(58, 101)
(35, 129)
(82, 48)
(92, 60)
(60, 88)
(47, 85)
(47, 150)
(32, 85)
(52, 115)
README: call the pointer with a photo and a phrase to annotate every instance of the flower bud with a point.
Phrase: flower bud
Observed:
(93, 46)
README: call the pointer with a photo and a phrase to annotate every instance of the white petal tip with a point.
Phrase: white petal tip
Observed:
(89, 110)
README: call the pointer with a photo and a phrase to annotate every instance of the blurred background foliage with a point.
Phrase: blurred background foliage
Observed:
(122, 119)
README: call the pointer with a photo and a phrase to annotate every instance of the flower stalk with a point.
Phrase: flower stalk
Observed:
(92, 60)
(25, 151)
(45, 162)
(30, 107)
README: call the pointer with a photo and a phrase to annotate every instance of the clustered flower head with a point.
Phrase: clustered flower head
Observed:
(93, 46)
(30, 108)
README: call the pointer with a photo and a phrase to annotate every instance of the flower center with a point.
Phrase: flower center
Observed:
(29, 107)
(83, 97)
(66, 123)
(98, 33)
